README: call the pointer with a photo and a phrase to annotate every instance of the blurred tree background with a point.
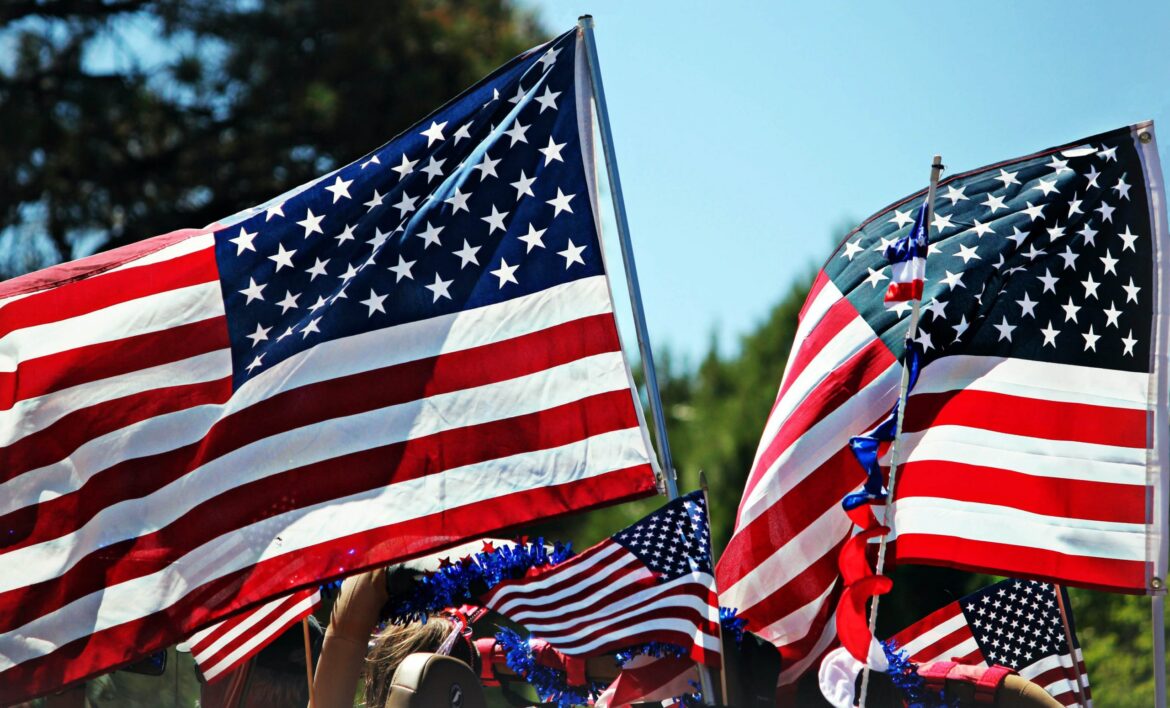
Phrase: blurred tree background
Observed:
(123, 119)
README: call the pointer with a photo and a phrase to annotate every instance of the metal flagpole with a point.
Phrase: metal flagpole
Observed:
(308, 658)
(1068, 640)
(936, 168)
(1157, 609)
(585, 22)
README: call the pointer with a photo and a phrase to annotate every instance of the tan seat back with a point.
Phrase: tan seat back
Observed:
(435, 681)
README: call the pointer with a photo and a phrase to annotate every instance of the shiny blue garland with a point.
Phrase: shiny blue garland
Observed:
(732, 623)
(551, 685)
(904, 674)
(464, 581)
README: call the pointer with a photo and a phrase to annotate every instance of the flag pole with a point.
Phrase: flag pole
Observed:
(1068, 639)
(308, 657)
(585, 22)
(722, 674)
(1157, 610)
(936, 168)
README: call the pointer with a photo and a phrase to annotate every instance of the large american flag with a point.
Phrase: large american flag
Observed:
(1035, 437)
(1013, 623)
(413, 350)
(650, 582)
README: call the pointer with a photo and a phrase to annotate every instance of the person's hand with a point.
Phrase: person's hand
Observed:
(356, 611)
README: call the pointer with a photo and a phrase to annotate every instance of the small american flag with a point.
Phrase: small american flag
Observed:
(1034, 438)
(647, 679)
(650, 582)
(224, 646)
(1013, 623)
(414, 350)
(907, 258)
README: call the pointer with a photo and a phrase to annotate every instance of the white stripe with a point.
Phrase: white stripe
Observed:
(328, 360)
(310, 444)
(221, 638)
(301, 528)
(35, 414)
(261, 638)
(524, 608)
(151, 313)
(959, 650)
(187, 246)
(796, 625)
(573, 636)
(1053, 661)
(813, 314)
(1001, 524)
(1057, 459)
(931, 636)
(533, 595)
(907, 271)
(1045, 381)
(796, 669)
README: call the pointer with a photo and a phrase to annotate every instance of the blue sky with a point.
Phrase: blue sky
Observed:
(751, 134)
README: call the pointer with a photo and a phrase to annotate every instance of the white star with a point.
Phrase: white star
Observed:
(1122, 188)
(373, 159)
(243, 241)
(1088, 234)
(1090, 286)
(1017, 236)
(1033, 252)
(533, 238)
(1129, 343)
(1046, 186)
(375, 201)
(1106, 212)
(374, 302)
(1055, 232)
(1049, 335)
(1005, 330)
(506, 273)
(433, 169)
(994, 203)
(548, 100)
(1049, 281)
(406, 204)
(1035, 212)
(1129, 238)
(1074, 205)
(311, 223)
(495, 220)
(380, 237)
(875, 277)
(572, 254)
(549, 58)
(458, 201)
(517, 133)
(439, 288)
(941, 222)
(405, 168)
(346, 234)
(430, 236)
(1131, 291)
(317, 268)
(561, 202)
(900, 308)
(467, 254)
(923, 338)
(852, 248)
(349, 273)
(434, 133)
(523, 185)
(1070, 310)
(552, 152)
(937, 308)
(487, 167)
(967, 253)
(282, 258)
(519, 95)
(289, 301)
(252, 292)
(982, 229)
(260, 335)
(317, 305)
(901, 218)
(1090, 339)
(955, 195)
(1059, 165)
(885, 243)
(339, 188)
(1027, 305)
(310, 328)
(402, 270)
(1008, 178)
(1111, 316)
(961, 327)
(463, 132)
(1108, 154)
(1092, 176)
(274, 210)
(1070, 258)
(954, 280)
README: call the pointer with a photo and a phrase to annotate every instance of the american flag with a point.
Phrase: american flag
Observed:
(224, 646)
(907, 258)
(646, 679)
(414, 350)
(1035, 433)
(1013, 623)
(650, 582)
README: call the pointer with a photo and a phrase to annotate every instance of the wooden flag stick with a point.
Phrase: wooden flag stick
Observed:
(1068, 639)
(308, 658)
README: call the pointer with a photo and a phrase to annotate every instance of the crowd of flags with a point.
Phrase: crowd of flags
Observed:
(420, 348)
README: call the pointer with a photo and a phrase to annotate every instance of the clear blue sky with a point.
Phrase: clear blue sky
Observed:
(750, 133)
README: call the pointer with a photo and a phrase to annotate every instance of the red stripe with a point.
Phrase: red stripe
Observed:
(795, 651)
(836, 319)
(643, 611)
(903, 292)
(267, 625)
(630, 630)
(307, 485)
(814, 290)
(1019, 561)
(73, 367)
(125, 643)
(1059, 497)
(927, 623)
(335, 398)
(1028, 417)
(944, 647)
(524, 596)
(98, 292)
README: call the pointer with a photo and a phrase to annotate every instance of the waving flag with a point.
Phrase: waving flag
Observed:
(907, 258)
(1035, 436)
(414, 350)
(650, 582)
(1013, 623)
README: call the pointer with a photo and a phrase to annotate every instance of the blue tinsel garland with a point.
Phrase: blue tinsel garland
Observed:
(551, 685)
(904, 674)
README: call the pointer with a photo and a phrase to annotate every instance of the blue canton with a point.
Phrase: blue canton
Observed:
(673, 541)
(1016, 622)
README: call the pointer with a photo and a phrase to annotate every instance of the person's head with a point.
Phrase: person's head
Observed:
(396, 642)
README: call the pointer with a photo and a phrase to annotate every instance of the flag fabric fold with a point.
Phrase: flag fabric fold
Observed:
(414, 350)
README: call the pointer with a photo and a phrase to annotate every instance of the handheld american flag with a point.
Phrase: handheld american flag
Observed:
(907, 257)
(1013, 623)
(1034, 441)
(414, 350)
(650, 582)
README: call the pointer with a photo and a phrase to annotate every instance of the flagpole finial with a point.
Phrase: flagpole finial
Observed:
(585, 20)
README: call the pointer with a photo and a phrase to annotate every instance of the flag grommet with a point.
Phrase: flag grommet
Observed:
(1156, 583)
(1145, 137)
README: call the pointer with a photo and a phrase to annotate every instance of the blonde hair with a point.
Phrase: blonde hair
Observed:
(394, 644)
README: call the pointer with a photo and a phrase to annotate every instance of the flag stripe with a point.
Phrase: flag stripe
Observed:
(222, 647)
